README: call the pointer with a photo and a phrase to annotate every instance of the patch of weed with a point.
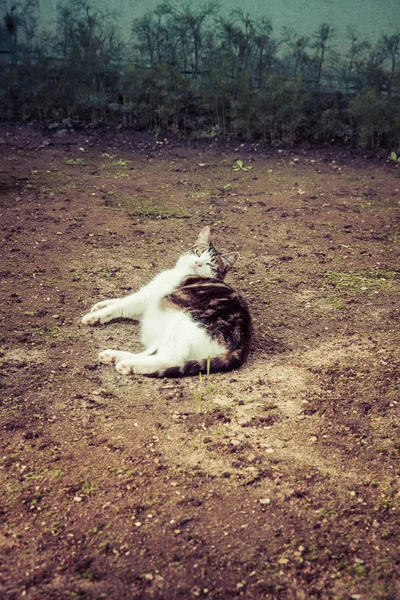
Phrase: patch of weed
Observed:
(145, 207)
(88, 487)
(269, 280)
(353, 282)
(111, 273)
(204, 392)
(48, 330)
(333, 302)
(239, 166)
(120, 162)
(394, 157)
(62, 334)
(74, 161)
(121, 175)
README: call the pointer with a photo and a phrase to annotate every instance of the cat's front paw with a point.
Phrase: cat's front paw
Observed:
(125, 367)
(103, 315)
(102, 304)
(91, 319)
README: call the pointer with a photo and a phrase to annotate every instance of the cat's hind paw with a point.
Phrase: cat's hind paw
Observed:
(113, 357)
(108, 357)
(125, 367)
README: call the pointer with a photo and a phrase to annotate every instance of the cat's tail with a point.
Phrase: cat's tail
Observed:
(232, 359)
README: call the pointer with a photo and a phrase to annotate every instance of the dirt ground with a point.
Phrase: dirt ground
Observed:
(280, 480)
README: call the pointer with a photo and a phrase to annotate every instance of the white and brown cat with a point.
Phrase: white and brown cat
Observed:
(189, 316)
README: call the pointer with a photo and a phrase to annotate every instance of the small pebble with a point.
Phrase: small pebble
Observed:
(265, 501)
(375, 524)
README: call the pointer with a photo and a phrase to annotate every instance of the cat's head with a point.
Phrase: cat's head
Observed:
(206, 261)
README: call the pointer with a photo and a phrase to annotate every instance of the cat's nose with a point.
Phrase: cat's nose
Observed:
(198, 263)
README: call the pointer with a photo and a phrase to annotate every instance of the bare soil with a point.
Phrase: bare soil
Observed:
(280, 480)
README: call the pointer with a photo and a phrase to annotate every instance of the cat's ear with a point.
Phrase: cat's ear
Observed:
(229, 260)
(204, 237)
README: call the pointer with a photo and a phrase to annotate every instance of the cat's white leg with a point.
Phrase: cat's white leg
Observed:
(130, 307)
(144, 365)
(133, 306)
(116, 356)
(171, 352)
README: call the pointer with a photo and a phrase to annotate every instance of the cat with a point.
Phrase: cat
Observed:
(191, 320)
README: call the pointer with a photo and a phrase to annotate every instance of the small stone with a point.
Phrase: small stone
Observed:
(235, 443)
(375, 524)
(77, 499)
(264, 501)
(283, 561)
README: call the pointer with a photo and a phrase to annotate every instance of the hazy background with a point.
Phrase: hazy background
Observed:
(371, 17)
(282, 71)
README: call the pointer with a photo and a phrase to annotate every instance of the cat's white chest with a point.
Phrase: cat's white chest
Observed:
(154, 320)
(177, 333)
(153, 323)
